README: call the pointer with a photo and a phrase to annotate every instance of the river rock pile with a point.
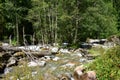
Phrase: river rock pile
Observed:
(46, 57)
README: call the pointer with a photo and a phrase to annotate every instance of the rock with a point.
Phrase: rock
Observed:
(80, 75)
(34, 73)
(6, 45)
(36, 63)
(86, 45)
(91, 41)
(78, 71)
(47, 58)
(12, 62)
(102, 41)
(64, 77)
(82, 60)
(48, 76)
(77, 53)
(8, 70)
(91, 75)
(19, 54)
(55, 58)
(54, 50)
(64, 51)
(115, 39)
(83, 52)
(2, 67)
(69, 65)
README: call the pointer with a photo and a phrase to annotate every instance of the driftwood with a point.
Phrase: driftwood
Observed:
(26, 51)
(10, 49)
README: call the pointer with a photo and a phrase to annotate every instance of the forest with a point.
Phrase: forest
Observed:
(58, 21)
(59, 39)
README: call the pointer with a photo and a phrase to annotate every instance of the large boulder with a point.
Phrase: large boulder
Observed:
(115, 39)
(78, 71)
(65, 76)
(80, 74)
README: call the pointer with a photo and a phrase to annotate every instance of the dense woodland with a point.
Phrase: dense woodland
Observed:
(58, 21)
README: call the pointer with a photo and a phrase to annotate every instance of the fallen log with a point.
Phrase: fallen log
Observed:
(20, 48)
(26, 51)
(15, 49)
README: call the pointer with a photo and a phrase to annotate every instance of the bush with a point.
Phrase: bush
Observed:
(108, 65)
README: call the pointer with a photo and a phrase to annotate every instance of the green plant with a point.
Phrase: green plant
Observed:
(97, 50)
(107, 66)
(14, 42)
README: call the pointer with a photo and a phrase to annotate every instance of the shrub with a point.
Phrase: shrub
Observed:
(107, 66)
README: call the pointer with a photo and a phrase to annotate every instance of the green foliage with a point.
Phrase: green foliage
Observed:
(14, 42)
(59, 20)
(100, 21)
(107, 66)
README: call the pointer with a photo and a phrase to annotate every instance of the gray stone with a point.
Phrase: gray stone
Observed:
(54, 49)
(64, 51)
(12, 62)
(36, 63)
(34, 73)
(8, 70)
(55, 58)
(83, 60)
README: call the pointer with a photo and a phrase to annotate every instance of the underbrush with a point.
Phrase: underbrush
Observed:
(107, 66)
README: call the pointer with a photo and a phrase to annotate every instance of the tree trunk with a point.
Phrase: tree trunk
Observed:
(52, 28)
(17, 30)
(49, 16)
(56, 28)
(76, 28)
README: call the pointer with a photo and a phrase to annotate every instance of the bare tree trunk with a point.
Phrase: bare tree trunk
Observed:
(49, 15)
(76, 32)
(17, 30)
(52, 28)
(56, 28)
(23, 35)
(39, 25)
(42, 37)
(10, 41)
(45, 27)
(33, 39)
(76, 29)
